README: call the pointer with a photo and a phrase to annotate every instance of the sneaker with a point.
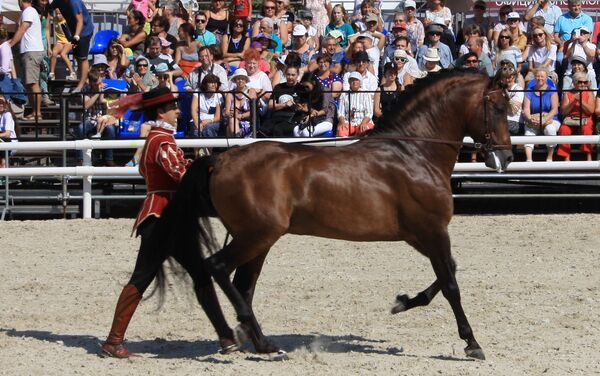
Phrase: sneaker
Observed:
(97, 135)
(72, 76)
(51, 76)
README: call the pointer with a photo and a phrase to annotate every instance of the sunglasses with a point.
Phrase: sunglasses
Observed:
(504, 37)
(268, 7)
(436, 34)
(479, 7)
(142, 65)
(238, 25)
(163, 77)
(309, 18)
(200, 20)
(513, 20)
(471, 61)
(401, 59)
(583, 82)
(539, 35)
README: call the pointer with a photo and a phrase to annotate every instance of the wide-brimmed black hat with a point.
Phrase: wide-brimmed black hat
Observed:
(158, 96)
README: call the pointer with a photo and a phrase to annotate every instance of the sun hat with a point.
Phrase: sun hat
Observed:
(161, 68)
(410, 4)
(299, 30)
(434, 28)
(371, 17)
(262, 36)
(431, 55)
(400, 53)
(579, 59)
(513, 16)
(100, 59)
(336, 34)
(240, 72)
(355, 75)
(164, 42)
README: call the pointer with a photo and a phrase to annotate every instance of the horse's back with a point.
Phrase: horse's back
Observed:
(345, 192)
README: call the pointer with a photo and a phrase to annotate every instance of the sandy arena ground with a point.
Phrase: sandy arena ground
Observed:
(530, 287)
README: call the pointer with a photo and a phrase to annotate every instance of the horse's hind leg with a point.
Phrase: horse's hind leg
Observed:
(220, 266)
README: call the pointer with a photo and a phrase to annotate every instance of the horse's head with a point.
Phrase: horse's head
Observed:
(489, 127)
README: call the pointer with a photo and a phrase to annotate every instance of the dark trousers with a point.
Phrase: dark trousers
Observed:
(153, 253)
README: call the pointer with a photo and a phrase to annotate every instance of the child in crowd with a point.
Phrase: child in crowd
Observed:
(62, 47)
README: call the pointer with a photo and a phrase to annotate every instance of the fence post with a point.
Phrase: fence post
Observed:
(87, 185)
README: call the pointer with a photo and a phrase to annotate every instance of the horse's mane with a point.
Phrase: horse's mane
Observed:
(426, 97)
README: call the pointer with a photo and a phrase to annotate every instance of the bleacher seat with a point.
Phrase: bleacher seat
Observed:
(185, 108)
(131, 123)
(101, 40)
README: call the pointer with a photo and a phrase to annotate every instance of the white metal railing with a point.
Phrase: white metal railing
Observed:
(88, 172)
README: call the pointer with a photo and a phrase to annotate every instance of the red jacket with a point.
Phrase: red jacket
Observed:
(162, 165)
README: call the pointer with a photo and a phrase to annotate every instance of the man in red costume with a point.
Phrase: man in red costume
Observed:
(163, 165)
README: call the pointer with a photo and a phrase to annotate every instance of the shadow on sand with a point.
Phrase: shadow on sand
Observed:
(174, 349)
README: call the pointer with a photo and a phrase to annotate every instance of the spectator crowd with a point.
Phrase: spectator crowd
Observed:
(317, 71)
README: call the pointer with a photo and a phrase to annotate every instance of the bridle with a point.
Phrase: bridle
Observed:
(489, 127)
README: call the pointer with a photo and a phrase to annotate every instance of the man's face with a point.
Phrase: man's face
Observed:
(154, 50)
(291, 75)
(361, 66)
(331, 46)
(200, 22)
(575, 8)
(473, 46)
(205, 57)
(401, 45)
(169, 113)
(472, 62)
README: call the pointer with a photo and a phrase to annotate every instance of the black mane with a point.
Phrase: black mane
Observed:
(425, 98)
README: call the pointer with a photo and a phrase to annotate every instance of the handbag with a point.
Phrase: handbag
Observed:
(574, 121)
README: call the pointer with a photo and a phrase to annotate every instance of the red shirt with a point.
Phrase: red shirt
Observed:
(162, 165)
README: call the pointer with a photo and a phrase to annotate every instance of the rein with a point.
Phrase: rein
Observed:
(487, 146)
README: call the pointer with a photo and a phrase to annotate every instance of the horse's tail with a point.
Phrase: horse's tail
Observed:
(184, 222)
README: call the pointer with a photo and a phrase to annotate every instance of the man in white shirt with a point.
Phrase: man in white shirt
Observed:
(369, 81)
(29, 33)
(207, 66)
(546, 9)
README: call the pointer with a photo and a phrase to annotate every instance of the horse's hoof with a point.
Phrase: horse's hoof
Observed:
(278, 356)
(240, 334)
(475, 353)
(401, 304)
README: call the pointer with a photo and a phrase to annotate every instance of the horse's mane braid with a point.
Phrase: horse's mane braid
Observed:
(417, 96)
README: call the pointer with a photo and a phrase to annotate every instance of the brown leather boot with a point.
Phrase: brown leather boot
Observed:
(128, 301)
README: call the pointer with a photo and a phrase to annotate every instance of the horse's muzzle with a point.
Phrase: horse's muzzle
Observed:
(499, 159)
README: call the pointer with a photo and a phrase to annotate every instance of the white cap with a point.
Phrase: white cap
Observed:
(410, 4)
(240, 72)
(583, 28)
(355, 75)
(299, 30)
(513, 15)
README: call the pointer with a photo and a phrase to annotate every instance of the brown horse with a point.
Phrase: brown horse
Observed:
(392, 185)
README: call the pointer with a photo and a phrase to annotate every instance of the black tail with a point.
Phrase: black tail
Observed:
(185, 223)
